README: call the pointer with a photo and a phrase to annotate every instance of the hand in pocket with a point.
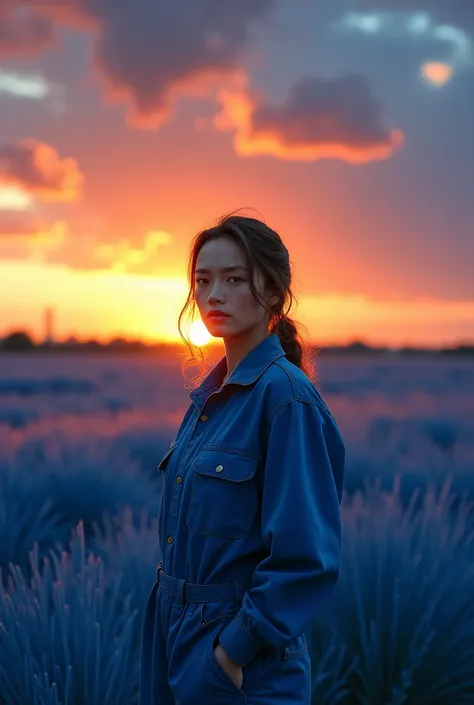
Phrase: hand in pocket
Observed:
(231, 669)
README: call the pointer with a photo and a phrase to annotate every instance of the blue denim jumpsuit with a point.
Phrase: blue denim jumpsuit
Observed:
(250, 537)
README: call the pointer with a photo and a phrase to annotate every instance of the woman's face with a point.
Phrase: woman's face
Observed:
(222, 283)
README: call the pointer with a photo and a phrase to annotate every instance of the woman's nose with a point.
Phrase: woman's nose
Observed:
(214, 299)
(215, 296)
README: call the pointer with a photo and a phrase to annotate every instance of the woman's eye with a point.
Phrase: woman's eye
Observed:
(203, 280)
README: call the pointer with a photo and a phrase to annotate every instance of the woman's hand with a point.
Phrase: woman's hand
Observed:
(233, 670)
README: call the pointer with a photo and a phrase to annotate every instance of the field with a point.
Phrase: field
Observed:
(80, 437)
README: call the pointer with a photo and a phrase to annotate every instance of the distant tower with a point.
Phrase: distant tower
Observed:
(48, 326)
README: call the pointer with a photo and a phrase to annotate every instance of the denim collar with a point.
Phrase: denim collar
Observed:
(249, 369)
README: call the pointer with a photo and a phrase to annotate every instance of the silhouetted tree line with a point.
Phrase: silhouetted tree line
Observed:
(21, 341)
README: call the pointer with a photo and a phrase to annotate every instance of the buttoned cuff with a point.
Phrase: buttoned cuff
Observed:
(239, 645)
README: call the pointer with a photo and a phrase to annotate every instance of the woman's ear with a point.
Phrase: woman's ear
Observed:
(272, 298)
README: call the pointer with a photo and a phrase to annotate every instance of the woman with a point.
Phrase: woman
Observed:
(250, 529)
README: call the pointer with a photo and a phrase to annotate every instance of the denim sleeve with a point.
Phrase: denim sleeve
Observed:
(301, 529)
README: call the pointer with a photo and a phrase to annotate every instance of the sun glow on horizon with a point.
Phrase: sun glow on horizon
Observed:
(198, 334)
(104, 305)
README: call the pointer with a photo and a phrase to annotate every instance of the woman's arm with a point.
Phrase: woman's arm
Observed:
(301, 528)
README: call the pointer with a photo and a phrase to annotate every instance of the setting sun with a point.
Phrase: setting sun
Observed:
(198, 333)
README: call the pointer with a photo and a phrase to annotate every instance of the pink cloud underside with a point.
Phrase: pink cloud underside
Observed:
(37, 168)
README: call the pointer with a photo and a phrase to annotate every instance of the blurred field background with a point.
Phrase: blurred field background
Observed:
(80, 438)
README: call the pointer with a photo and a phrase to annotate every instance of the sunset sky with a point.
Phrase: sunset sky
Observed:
(127, 126)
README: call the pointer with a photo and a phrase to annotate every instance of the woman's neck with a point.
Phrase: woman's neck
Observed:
(237, 349)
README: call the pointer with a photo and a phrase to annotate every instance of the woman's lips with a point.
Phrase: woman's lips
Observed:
(218, 315)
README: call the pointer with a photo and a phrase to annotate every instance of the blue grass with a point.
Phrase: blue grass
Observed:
(24, 520)
(47, 489)
(61, 641)
(129, 550)
(403, 606)
(399, 629)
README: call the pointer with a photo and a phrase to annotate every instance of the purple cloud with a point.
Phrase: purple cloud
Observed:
(321, 119)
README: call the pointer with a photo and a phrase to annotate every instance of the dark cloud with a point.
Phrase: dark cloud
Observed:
(37, 168)
(321, 119)
(146, 48)
(23, 32)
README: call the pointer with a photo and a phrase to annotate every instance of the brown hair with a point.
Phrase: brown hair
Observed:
(264, 248)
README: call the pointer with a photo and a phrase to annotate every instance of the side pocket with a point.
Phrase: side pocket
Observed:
(219, 671)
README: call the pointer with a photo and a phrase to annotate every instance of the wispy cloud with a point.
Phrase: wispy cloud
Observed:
(419, 26)
(26, 237)
(24, 86)
(32, 86)
(123, 256)
(436, 72)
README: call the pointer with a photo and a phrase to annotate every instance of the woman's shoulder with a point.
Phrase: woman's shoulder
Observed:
(284, 382)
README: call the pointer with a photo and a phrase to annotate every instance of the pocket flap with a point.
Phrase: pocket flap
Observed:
(226, 466)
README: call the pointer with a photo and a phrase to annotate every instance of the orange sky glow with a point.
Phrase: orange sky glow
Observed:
(106, 304)
(115, 152)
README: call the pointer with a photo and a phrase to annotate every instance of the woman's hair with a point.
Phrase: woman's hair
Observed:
(263, 247)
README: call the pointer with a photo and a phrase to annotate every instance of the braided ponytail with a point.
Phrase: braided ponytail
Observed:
(295, 350)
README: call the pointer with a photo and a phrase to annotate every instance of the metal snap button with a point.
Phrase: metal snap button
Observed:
(219, 468)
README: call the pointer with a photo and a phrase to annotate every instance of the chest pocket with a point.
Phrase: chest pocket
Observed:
(223, 494)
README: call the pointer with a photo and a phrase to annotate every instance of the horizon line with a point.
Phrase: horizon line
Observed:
(120, 340)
